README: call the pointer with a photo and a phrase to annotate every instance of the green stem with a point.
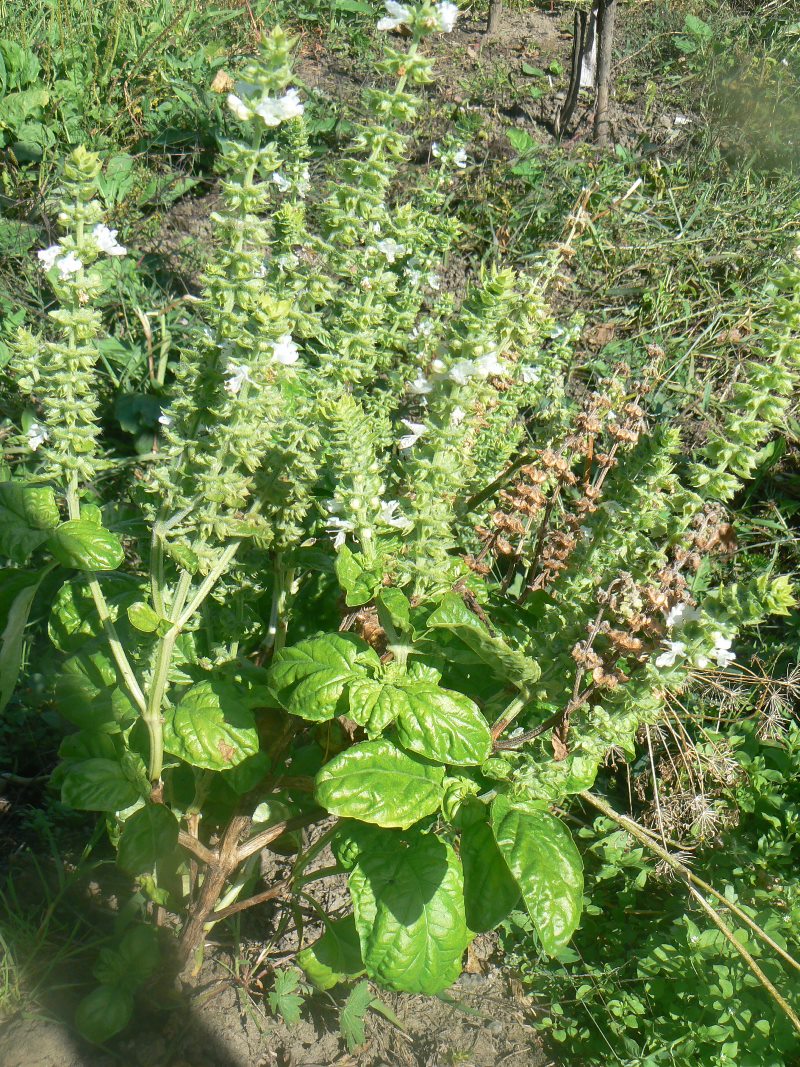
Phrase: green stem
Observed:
(158, 684)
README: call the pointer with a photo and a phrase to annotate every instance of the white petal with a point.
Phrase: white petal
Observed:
(239, 107)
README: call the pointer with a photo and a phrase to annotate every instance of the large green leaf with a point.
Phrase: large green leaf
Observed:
(443, 725)
(17, 592)
(86, 546)
(490, 891)
(408, 897)
(87, 694)
(547, 867)
(454, 615)
(311, 678)
(74, 618)
(335, 956)
(211, 727)
(149, 835)
(98, 785)
(104, 1012)
(377, 782)
(27, 513)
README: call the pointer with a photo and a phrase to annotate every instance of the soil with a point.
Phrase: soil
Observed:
(485, 1020)
(221, 1018)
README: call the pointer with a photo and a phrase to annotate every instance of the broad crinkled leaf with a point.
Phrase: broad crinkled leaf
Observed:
(454, 615)
(310, 678)
(87, 694)
(490, 891)
(335, 956)
(442, 725)
(150, 834)
(374, 704)
(27, 513)
(74, 618)
(408, 896)
(98, 785)
(547, 867)
(377, 782)
(211, 727)
(84, 545)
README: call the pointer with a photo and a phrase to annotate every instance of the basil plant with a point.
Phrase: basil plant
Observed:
(380, 594)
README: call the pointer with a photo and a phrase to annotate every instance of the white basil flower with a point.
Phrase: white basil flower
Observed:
(396, 15)
(391, 249)
(488, 365)
(37, 435)
(165, 420)
(387, 515)
(531, 375)
(47, 256)
(460, 158)
(69, 264)
(674, 649)
(420, 386)
(273, 110)
(238, 375)
(438, 366)
(422, 329)
(436, 150)
(434, 282)
(106, 240)
(417, 430)
(340, 527)
(239, 107)
(462, 371)
(457, 416)
(721, 651)
(446, 15)
(283, 183)
(679, 615)
(285, 351)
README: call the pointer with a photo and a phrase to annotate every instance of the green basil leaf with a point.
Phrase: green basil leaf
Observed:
(377, 782)
(17, 592)
(87, 744)
(490, 891)
(97, 785)
(140, 954)
(81, 544)
(211, 728)
(148, 835)
(104, 1012)
(509, 664)
(408, 897)
(310, 678)
(394, 607)
(247, 774)
(26, 514)
(374, 704)
(142, 617)
(547, 867)
(87, 694)
(74, 617)
(442, 725)
(335, 956)
(360, 583)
